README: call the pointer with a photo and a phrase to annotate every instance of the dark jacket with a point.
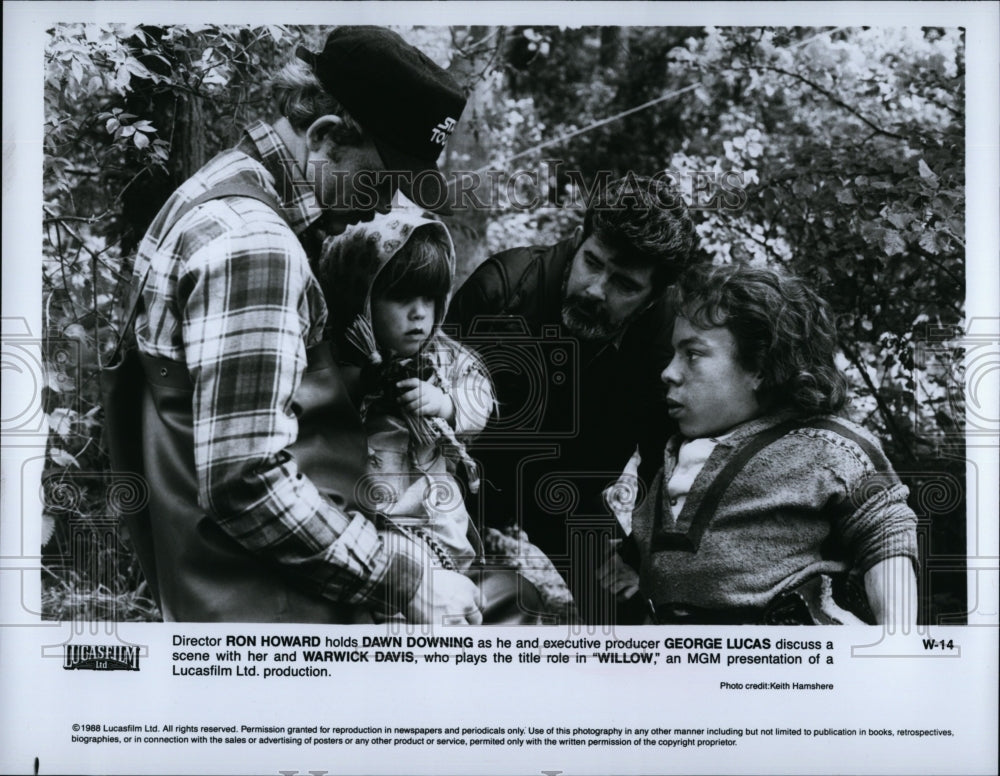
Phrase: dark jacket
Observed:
(571, 413)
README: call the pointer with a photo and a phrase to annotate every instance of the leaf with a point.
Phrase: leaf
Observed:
(57, 381)
(122, 79)
(61, 421)
(803, 187)
(893, 243)
(925, 172)
(900, 220)
(846, 197)
(871, 232)
(140, 140)
(151, 53)
(77, 69)
(112, 125)
(138, 69)
(928, 241)
(48, 527)
(93, 418)
(60, 457)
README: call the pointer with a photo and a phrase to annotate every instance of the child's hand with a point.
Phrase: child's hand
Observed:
(424, 399)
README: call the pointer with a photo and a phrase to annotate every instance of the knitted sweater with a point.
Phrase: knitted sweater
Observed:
(820, 498)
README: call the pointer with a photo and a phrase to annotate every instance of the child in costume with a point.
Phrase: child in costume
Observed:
(771, 507)
(422, 393)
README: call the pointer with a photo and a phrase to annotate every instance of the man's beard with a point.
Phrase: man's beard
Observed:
(587, 320)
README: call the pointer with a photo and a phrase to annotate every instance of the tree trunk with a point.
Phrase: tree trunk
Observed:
(468, 149)
(180, 119)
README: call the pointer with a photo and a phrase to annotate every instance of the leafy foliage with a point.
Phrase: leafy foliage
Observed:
(848, 148)
(836, 153)
(851, 146)
(119, 103)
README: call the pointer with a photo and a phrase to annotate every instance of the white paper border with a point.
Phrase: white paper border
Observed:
(39, 700)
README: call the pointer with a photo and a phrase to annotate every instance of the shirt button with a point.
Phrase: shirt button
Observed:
(673, 501)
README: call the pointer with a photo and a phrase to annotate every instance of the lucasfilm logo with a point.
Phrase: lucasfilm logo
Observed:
(101, 657)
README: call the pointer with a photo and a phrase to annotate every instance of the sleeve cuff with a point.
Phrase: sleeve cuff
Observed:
(390, 592)
(884, 527)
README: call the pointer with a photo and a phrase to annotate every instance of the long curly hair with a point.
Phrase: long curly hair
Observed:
(783, 330)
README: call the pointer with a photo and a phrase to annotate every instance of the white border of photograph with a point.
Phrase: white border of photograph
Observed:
(880, 685)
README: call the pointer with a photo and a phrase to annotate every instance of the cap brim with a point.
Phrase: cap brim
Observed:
(423, 184)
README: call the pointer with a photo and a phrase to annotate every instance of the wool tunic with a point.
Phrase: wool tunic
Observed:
(819, 498)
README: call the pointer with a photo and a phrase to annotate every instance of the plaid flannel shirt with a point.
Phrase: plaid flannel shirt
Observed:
(231, 294)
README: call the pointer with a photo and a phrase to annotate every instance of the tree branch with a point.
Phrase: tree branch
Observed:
(884, 409)
(59, 221)
(832, 98)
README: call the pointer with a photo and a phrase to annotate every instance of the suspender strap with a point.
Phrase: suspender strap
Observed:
(878, 458)
(216, 192)
(691, 540)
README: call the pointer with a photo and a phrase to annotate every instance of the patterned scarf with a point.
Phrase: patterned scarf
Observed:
(379, 378)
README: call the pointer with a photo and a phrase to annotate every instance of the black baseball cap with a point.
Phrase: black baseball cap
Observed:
(406, 103)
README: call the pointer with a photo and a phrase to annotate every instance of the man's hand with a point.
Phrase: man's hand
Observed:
(425, 399)
(445, 594)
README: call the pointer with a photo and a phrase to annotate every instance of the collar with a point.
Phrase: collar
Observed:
(736, 435)
(616, 341)
(298, 199)
(554, 279)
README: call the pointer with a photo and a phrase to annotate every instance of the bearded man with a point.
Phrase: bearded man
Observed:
(575, 336)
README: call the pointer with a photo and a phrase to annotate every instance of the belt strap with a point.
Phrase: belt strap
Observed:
(685, 614)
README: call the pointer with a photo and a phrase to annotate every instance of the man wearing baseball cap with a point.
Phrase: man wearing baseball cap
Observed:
(252, 447)
(406, 104)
